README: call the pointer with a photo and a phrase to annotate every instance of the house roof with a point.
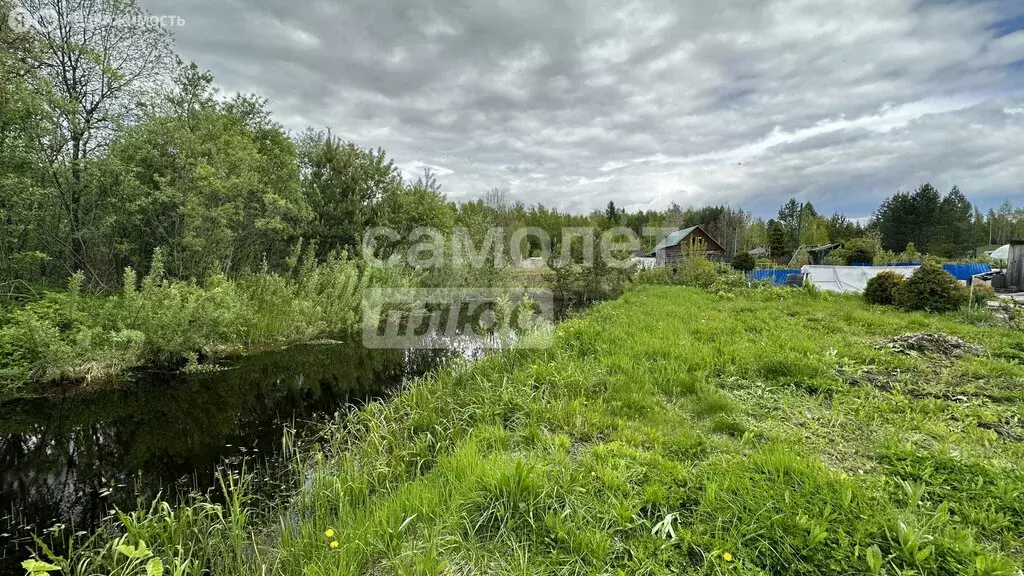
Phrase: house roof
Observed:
(675, 238)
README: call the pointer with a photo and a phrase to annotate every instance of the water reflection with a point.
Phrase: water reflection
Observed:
(68, 460)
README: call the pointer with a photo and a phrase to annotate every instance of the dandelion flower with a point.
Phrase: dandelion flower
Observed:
(334, 544)
(727, 557)
(329, 533)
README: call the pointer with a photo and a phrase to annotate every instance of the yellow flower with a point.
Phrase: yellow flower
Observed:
(329, 533)
(727, 556)
(334, 544)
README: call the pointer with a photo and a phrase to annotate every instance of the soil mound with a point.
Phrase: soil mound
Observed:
(940, 344)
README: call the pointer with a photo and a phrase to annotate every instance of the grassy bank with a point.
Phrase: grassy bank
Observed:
(671, 431)
(73, 335)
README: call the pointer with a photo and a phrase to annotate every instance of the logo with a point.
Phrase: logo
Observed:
(457, 318)
(20, 20)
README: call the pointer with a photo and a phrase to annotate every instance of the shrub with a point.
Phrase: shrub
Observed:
(744, 262)
(729, 281)
(659, 276)
(883, 288)
(933, 289)
(886, 258)
(837, 257)
(694, 268)
(910, 254)
(860, 251)
(158, 320)
(981, 294)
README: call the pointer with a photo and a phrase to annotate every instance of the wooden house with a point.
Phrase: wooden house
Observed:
(671, 248)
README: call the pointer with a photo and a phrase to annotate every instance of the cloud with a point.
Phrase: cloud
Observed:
(415, 169)
(575, 103)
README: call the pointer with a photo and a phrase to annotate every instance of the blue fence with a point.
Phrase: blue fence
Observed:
(966, 271)
(778, 277)
(890, 264)
(960, 271)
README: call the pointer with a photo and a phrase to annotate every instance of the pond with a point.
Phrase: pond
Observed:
(69, 459)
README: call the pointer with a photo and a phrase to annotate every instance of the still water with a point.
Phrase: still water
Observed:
(71, 458)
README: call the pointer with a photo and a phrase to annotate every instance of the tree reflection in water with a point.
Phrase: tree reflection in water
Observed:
(69, 460)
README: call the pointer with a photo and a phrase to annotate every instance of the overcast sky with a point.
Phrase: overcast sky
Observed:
(573, 104)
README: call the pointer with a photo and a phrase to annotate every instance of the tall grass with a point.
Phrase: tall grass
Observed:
(671, 431)
(71, 335)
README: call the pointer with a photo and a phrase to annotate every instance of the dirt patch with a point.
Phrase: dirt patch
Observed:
(1006, 430)
(868, 376)
(924, 343)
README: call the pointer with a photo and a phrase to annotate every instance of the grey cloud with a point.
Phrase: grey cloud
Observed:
(575, 103)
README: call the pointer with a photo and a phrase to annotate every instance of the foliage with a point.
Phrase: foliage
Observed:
(576, 283)
(932, 289)
(659, 276)
(407, 209)
(24, 121)
(99, 65)
(110, 150)
(770, 414)
(860, 251)
(744, 262)
(910, 255)
(776, 238)
(946, 226)
(693, 267)
(72, 335)
(215, 185)
(1003, 224)
(345, 186)
(981, 294)
(883, 288)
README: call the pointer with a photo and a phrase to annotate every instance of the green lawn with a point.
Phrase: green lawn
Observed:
(672, 431)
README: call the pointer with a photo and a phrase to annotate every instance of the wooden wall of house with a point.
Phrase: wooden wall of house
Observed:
(674, 253)
(712, 246)
(1015, 266)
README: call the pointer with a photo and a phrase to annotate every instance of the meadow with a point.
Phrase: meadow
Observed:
(672, 431)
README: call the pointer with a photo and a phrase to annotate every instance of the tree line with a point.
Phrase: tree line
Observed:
(111, 147)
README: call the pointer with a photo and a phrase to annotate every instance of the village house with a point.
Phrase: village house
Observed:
(671, 248)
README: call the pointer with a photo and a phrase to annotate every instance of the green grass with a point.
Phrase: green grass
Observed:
(673, 431)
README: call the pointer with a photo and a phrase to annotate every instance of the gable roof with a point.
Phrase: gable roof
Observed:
(675, 238)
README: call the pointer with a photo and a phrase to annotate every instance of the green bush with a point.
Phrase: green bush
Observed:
(933, 289)
(744, 262)
(71, 335)
(910, 254)
(653, 277)
(694, 268)
(860, 251)
(981, 294)
(883, 288)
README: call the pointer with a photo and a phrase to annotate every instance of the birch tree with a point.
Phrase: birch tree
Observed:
(99, 63)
